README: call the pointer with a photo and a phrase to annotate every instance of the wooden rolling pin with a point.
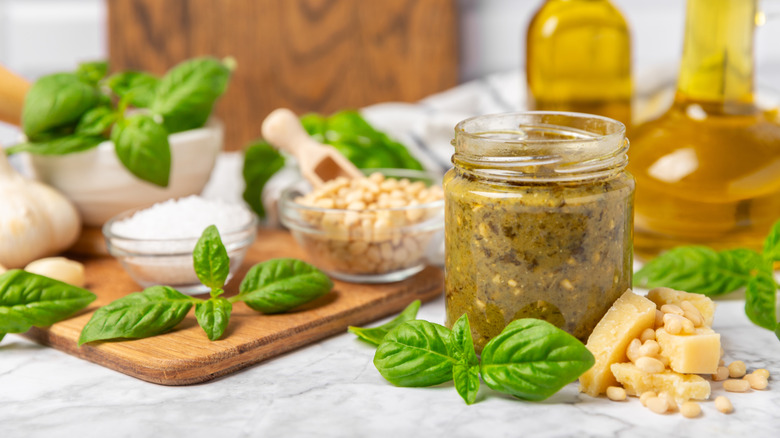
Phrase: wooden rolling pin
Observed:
(13, 88)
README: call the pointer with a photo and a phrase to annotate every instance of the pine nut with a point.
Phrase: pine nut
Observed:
(736, 385)
(756, 381)
(632, 352)
(737, 369)
(647, 335)
(673, 323)
(670, 401)
(647, 395)
(673, 309)
(649, 364)
(658, 405)
(616, 393)
(721, 374)
(692, 312)
(649, 348)
(690, 409)
(723, 404)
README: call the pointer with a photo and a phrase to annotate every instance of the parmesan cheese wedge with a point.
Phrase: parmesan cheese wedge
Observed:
(697, 353)
(625, 320)
(682, 387)
(664, 295)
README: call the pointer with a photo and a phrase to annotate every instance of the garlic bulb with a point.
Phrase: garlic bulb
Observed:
(35, 219)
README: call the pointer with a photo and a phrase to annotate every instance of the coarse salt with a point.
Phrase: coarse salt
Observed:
(183, 218)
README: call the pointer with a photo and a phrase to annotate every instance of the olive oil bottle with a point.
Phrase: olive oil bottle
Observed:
(578, 58)
(708, 170)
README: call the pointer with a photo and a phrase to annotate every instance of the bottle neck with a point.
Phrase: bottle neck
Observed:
(717, 64)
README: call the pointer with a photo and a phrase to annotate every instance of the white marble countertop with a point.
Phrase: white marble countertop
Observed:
(331, 389)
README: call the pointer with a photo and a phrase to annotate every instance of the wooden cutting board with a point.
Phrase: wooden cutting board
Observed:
(185, 356)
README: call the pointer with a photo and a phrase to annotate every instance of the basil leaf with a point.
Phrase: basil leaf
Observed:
(465, 373)
(374, 335)
(59, 146)
(463, 343)
(532, 359)
(760, 297)
(772, 244)
(699, 269)
(186, 94)
(138, 315)
(213, 316)
(56, 101)
(416, 353)
(210, 259)
(92, 72)
(2, 335)
(138, 88)
(142, 146)
(28, 299)
(466, 379)
(96, 121)
(281, 284)
(261, 162)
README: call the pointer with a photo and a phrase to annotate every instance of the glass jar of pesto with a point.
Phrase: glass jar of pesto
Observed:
(539, 221)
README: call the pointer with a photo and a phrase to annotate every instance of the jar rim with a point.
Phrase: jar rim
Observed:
(546, 145)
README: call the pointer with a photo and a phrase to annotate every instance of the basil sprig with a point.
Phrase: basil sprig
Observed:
(374, 335)
(271, 287)
(31, 300)
(531, 359)
(703, 270)
(66, 113)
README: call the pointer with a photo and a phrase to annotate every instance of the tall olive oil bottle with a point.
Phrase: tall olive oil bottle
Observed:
(708, 170)
(578, 58)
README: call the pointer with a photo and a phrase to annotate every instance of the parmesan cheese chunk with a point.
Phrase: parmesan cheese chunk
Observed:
(664, 295)
(697, 353)
(681, 387)
(625, 320)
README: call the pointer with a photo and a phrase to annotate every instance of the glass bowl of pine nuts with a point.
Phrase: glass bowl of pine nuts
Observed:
(377, 229)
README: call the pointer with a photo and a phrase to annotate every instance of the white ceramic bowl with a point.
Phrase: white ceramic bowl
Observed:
(101, 187)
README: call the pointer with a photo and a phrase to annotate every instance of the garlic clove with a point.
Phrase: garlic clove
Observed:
(59, 268)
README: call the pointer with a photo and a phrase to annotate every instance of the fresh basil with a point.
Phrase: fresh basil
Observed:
(186, 94)
(772, 244)
(142, 146)
(465, 373)
(532, 359)
(279, 285)
(213, 316)
(138, 88)
(261, 162)
(97, 121)
(28, 300)
(375, 335)
(138, 315)
(59, 146)
(760, 299)
(92, 72)
(210, 259)
(699, 269)
(416, 353)
(56, 101)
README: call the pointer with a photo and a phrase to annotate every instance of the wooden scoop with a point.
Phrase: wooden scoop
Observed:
(12, 91)
(318, 163)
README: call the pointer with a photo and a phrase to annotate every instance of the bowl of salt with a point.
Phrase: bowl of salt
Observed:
(154, 245)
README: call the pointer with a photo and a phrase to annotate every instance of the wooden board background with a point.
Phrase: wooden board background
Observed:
(185, 355)
(307, 55)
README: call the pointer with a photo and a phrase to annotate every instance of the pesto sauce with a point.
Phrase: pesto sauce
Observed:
(560, 252)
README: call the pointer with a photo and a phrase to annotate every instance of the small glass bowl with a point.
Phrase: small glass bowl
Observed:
(350, 245)
(169, 262)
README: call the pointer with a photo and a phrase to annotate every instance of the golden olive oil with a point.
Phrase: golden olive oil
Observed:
(708, 170)
(578, 58)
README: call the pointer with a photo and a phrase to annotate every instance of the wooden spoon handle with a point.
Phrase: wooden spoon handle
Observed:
(13, 88)
(283, 129)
